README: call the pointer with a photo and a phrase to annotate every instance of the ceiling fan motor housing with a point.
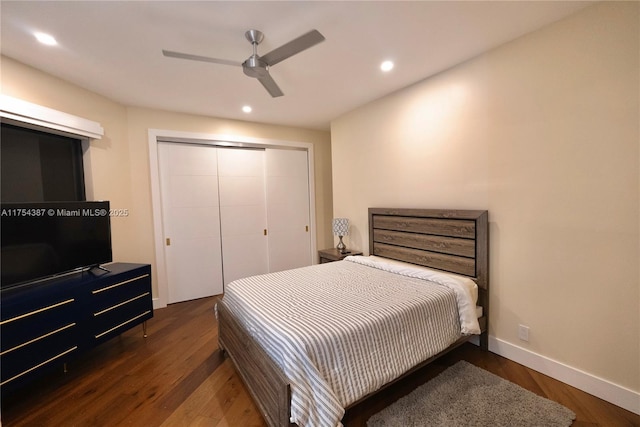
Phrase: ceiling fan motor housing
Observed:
(255, 67)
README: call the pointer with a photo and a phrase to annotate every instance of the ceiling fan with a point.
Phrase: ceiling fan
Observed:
(258, 66)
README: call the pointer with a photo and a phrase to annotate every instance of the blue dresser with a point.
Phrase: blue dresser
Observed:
(46, 324)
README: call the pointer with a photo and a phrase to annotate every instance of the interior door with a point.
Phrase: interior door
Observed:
(191, 220)
(243, 212)
(288, 212)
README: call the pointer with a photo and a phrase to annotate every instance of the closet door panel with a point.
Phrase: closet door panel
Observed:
(189, 188)
(196, 222)
(286, 198)
(288, 209)
(244, 257)
(286, 251)
(194, 190)
(283, 162)
(243, 216)
(240, 162)
(242, 191)
(238, 221)
(192, 273)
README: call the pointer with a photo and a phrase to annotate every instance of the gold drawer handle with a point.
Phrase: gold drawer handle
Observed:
(38, 338)
(39, 365)
(119, 305)
(122, 324)
(31, 313)
(97, 291)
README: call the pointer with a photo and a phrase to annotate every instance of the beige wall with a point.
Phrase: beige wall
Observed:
(119, 162)
(544, 133)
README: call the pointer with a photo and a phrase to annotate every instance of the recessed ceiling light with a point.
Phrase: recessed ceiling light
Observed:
(386, 66)
(46, 39)
(246, 109)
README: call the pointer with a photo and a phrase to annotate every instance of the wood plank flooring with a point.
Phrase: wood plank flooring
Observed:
(178, 377)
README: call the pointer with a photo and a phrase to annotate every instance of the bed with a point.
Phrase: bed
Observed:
(293, 377)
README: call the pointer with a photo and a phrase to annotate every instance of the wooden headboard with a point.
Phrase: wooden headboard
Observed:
(456, 241)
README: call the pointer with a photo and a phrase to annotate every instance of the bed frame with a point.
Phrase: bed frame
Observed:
(456, 241)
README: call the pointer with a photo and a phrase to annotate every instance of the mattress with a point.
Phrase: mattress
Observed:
(341, 330)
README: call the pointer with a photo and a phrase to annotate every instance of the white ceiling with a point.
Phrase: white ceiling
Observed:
(114, 49)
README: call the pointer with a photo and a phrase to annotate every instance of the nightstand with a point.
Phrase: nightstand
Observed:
(330, 255)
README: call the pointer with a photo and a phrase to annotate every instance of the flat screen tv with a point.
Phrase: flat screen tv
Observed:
(45, 239)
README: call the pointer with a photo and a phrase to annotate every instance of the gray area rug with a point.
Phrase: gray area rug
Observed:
(465, 395)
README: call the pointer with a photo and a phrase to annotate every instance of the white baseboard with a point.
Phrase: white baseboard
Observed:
(605, 390)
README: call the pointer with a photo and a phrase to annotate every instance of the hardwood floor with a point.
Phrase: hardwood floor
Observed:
(178, 377)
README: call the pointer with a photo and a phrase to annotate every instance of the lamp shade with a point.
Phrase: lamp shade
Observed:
(340, 226)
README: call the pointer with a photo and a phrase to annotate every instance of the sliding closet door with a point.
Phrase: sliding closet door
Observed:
(190, 213)
(242, 212)
(288, 212)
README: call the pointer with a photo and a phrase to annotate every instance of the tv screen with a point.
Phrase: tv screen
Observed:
(45, 239)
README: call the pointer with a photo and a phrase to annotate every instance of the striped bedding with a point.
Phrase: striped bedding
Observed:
(341, 330)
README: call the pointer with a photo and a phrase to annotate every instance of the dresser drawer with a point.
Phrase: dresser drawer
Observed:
(30, 357)
(114, 293)
(115, 320)
(36, 321)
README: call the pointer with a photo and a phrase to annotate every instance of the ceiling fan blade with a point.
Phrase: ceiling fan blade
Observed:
(270, 85)
(191, 57)
(297, 45)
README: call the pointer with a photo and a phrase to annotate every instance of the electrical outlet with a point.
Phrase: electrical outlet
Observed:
(523, 333)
